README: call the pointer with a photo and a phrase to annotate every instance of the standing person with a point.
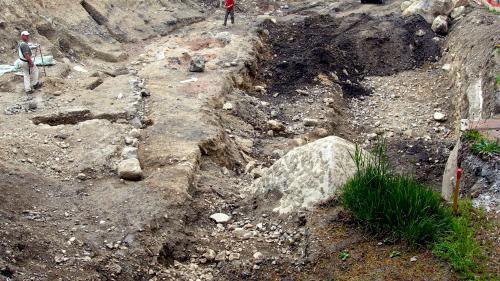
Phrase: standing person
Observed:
(30, 71)
(229, 11)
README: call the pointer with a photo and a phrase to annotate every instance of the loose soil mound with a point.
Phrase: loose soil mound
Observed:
(346, 48)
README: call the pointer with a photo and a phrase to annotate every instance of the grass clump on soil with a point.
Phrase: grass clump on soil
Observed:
(481, 145)
(397, 204)
(394, 203)
(458, 246)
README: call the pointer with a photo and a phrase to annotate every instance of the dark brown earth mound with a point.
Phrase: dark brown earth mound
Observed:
(345, 49)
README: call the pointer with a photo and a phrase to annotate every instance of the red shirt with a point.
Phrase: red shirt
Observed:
(229, 5)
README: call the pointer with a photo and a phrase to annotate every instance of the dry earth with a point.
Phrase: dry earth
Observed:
(122, 90)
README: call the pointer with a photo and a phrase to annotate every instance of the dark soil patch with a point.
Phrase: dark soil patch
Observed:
(346, 50)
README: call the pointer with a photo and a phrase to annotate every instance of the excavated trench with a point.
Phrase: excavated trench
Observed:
(312, 67)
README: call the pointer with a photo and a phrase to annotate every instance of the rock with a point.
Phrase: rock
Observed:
(420, 33)
(440, 25)
(405, 5)
(81, 176)
(372, 136)
(276, 126)
(227, 106)
(210, 255)
(260, 89)
(145, 93)
(224, 37)
(457, 12)
(220, 218)
(221, 256)
(310, 122)
(234, 256)
(440, 117)
(459, 3)
(130, 169)
(130, 153)
(258, 257)
(257, 172)
(446, 67)
(413, 259)
(250, 166)
(114, 268)
(60, 259)
(197, 64)
(135, 133)
(429, 9)
(320, 133)
(307, 174)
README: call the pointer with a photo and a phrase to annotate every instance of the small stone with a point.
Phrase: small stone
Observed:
(130, 153)
(440, 117)
(260, 89)
(413, 259)
(446, 67)
(210, 255)
(227, 106)
(135, 133)
(440, 25)
(130, 169)
(276, 126)
(197, 64)
(220, 218)
(81, 176)
(258, 257)
(310, 122)
(420, 33)
(234, 256)
(60, 259)
(371, 136)
(221, 256)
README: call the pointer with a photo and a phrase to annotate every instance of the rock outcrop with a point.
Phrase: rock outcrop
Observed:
(308, 174)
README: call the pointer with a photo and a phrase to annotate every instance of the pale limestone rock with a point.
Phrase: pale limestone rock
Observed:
(308, 174)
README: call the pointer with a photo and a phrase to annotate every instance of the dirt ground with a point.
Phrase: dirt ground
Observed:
(317, 68)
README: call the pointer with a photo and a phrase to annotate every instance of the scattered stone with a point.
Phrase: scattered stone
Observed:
(227, 106)
(258, 257)
(224, 37)
(440, 117)
(446, 67)
(440, 25)
(250, 166)
(260, 89)
(81, 176)
(457, 12)
(220, 218)
(276, 126)
(420, 33)
(221, 256)
(130, 153)
(60, 259)
(309, 122)
(130, 169)
(405, 5)
(135, 133)
(234, 256)
(210, 255)
(197, 64)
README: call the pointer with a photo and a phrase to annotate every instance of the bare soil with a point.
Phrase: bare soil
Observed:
(64, 213)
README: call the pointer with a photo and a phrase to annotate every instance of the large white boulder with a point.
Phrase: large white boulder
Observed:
(308, 174)
(430, 9)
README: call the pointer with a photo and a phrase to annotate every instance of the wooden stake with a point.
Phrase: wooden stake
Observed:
(457, 189)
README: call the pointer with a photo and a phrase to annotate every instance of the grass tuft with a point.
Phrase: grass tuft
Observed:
(481, 145)
(393, 203)
(458, 246)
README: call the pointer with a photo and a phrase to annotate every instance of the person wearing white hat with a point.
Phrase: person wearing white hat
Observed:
(30, 71)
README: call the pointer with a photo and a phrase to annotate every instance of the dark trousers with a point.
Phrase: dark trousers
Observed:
(231, 12)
